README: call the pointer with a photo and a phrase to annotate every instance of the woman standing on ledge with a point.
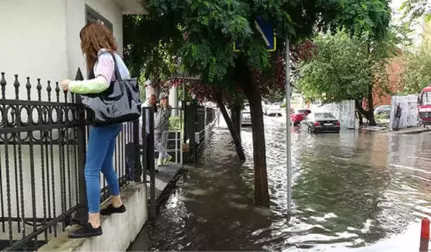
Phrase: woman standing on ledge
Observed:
(99, 48)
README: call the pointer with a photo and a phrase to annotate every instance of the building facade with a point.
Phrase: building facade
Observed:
(40, 39)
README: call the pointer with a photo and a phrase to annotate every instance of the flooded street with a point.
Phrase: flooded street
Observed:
(351, 192)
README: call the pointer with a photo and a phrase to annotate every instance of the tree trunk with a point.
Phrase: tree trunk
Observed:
(236, 119)
(233, 132)
(259, 149)
(359, 111)
(371, 118)
(361, 122)
(364, 113)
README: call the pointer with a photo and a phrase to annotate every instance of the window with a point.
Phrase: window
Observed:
(426, 98)
(94, 16)
(324, 116)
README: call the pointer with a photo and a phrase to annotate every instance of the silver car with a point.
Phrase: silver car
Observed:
(246, 117)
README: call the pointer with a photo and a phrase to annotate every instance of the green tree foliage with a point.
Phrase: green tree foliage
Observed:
(202, 32)
(347, 68)
(417, 65)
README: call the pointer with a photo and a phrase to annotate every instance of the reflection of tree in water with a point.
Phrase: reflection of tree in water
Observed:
(338, 179)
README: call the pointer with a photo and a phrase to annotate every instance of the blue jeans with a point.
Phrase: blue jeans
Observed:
(100, 153)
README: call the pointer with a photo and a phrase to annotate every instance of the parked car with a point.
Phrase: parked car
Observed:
(299, 116)
(273, 109)
(383, 111)
(246, 117)
(321, 122)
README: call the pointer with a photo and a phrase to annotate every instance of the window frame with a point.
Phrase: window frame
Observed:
(91, 15)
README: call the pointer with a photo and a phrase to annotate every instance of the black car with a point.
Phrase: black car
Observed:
(321, 122)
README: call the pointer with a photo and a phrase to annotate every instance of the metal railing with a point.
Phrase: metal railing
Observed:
(43, 136)
(196, 122)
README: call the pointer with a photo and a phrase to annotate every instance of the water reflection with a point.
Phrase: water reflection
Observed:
(350, 191)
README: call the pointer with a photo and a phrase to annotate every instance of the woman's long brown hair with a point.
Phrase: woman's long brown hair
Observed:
(95, 36)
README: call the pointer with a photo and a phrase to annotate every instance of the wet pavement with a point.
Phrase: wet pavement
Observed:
(351, 192)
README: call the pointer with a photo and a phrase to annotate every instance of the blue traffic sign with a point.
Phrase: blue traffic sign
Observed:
(266, 29)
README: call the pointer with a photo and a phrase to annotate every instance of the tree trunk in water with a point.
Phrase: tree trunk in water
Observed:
(361, 122)
(362, 112)
(359, 110)
(236, 119)
(259, 150)
(230, 125)
(371, 118)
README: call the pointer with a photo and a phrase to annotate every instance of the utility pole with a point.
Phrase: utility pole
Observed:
(288, 131)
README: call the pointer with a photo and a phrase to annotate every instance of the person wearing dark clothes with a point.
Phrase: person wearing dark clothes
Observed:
(397, 118)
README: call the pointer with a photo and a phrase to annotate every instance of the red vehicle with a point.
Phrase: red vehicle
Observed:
(299, 116)
(424, 106)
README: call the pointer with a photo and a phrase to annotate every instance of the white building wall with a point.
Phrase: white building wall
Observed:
(75, 13)
(33, 41)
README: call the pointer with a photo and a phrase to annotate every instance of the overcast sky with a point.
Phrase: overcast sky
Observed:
(396, 15)
(395, 5)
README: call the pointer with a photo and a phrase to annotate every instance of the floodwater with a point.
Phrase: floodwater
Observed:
(351, 192)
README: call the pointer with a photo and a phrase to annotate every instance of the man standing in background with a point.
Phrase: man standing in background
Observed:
(161, 129)
(131, 147)
(397, 117)
(151, 102)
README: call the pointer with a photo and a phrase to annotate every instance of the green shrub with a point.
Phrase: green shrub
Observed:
(175, 122)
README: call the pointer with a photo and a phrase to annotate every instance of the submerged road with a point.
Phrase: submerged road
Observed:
(351, 192)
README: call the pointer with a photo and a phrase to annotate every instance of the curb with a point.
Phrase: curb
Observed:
(412, 132)
(167, 191)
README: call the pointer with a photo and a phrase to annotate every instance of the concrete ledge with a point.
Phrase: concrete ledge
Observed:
(119, 230)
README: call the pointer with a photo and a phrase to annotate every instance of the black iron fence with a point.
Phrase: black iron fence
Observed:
(196, 122)
(43, 135)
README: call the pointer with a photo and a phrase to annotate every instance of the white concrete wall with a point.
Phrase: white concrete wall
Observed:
(33, 41)
(409, 115)
(119, 230)
(343, 111)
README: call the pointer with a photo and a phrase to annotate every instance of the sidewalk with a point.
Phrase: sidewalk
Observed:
(385, 130)
(414, 130)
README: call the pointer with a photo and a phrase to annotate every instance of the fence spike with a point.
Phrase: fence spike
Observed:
(28, 86)
(39, 89)
(65, 95)
(16, 85)
(79, 75)
(3, 85)
(48, 89)
(57, 91)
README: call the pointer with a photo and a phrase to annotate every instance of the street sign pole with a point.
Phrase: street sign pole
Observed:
(288, 132)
